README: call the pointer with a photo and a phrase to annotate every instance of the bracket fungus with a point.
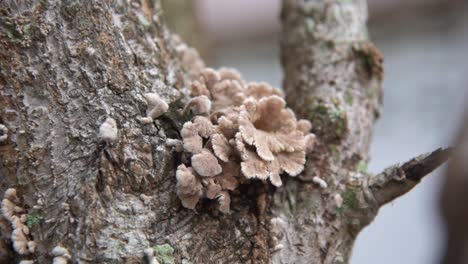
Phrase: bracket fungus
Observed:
(200, 105)
(177, 144)
(240, 131)
(17, 218)
(189, 187)
(156, 107)
(61, 255)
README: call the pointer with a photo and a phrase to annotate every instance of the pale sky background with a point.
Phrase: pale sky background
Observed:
(425, 88)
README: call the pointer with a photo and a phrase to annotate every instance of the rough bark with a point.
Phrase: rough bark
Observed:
(333, 77)
(67, 65)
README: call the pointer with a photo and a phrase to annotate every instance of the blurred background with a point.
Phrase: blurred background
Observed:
(425, 43)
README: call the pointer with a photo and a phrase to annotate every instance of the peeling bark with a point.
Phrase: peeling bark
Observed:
(66, 66)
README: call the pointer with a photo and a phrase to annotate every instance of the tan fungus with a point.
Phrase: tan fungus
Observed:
(155, 107)
(212, 189)
(221, 147)
(262, 90)
(200, 105)
(206, 164)
(248, 133)
(224, 201)
(189, 188)
(270, 127)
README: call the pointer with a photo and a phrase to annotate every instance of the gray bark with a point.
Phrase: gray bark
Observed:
(68, 65)
(333, 77)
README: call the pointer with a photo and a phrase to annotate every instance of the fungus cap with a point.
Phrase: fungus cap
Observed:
(108, 130)
(189, 188)
(155, 107)
(206, 164)
(200, 105)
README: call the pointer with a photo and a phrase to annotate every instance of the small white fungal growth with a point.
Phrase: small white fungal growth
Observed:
(91, 51)
(20, 242)
(338, 200)
(145, 199)
(61, 255)
(177, 144)
(304, 126)
(276, 234)
(156, 107)
(108, 130)
(241, 131)
(11, 212)
(323, 184)
(17, 223)
(278, 247)
(310, 142)
(224, 201)
(200, 105)
(3, 133)
(26, 262)
(150, 258)
(8, 209)
(60, 260)
(32, 246)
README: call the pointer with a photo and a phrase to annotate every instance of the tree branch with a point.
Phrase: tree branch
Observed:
(397, 180)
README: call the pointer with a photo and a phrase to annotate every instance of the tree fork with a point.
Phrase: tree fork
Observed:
(66, 66)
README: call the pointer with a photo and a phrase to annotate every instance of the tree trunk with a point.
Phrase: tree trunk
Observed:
(66, 66)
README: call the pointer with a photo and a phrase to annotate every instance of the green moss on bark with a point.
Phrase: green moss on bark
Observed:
(329, 120)
(164, 253)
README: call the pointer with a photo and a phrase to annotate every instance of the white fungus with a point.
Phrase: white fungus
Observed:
(150, 258)
(19, 236)
(3, 133)
(61, 255)
(156, 107)
(20, 242)
(200, 105)
(108, 130)
(224, 201)
(338, 200)
(276, 233)
(176, 143)
(26, 262)
(323, 184)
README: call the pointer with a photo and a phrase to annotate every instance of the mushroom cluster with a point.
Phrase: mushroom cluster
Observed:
(240, 131)
(17, 217)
